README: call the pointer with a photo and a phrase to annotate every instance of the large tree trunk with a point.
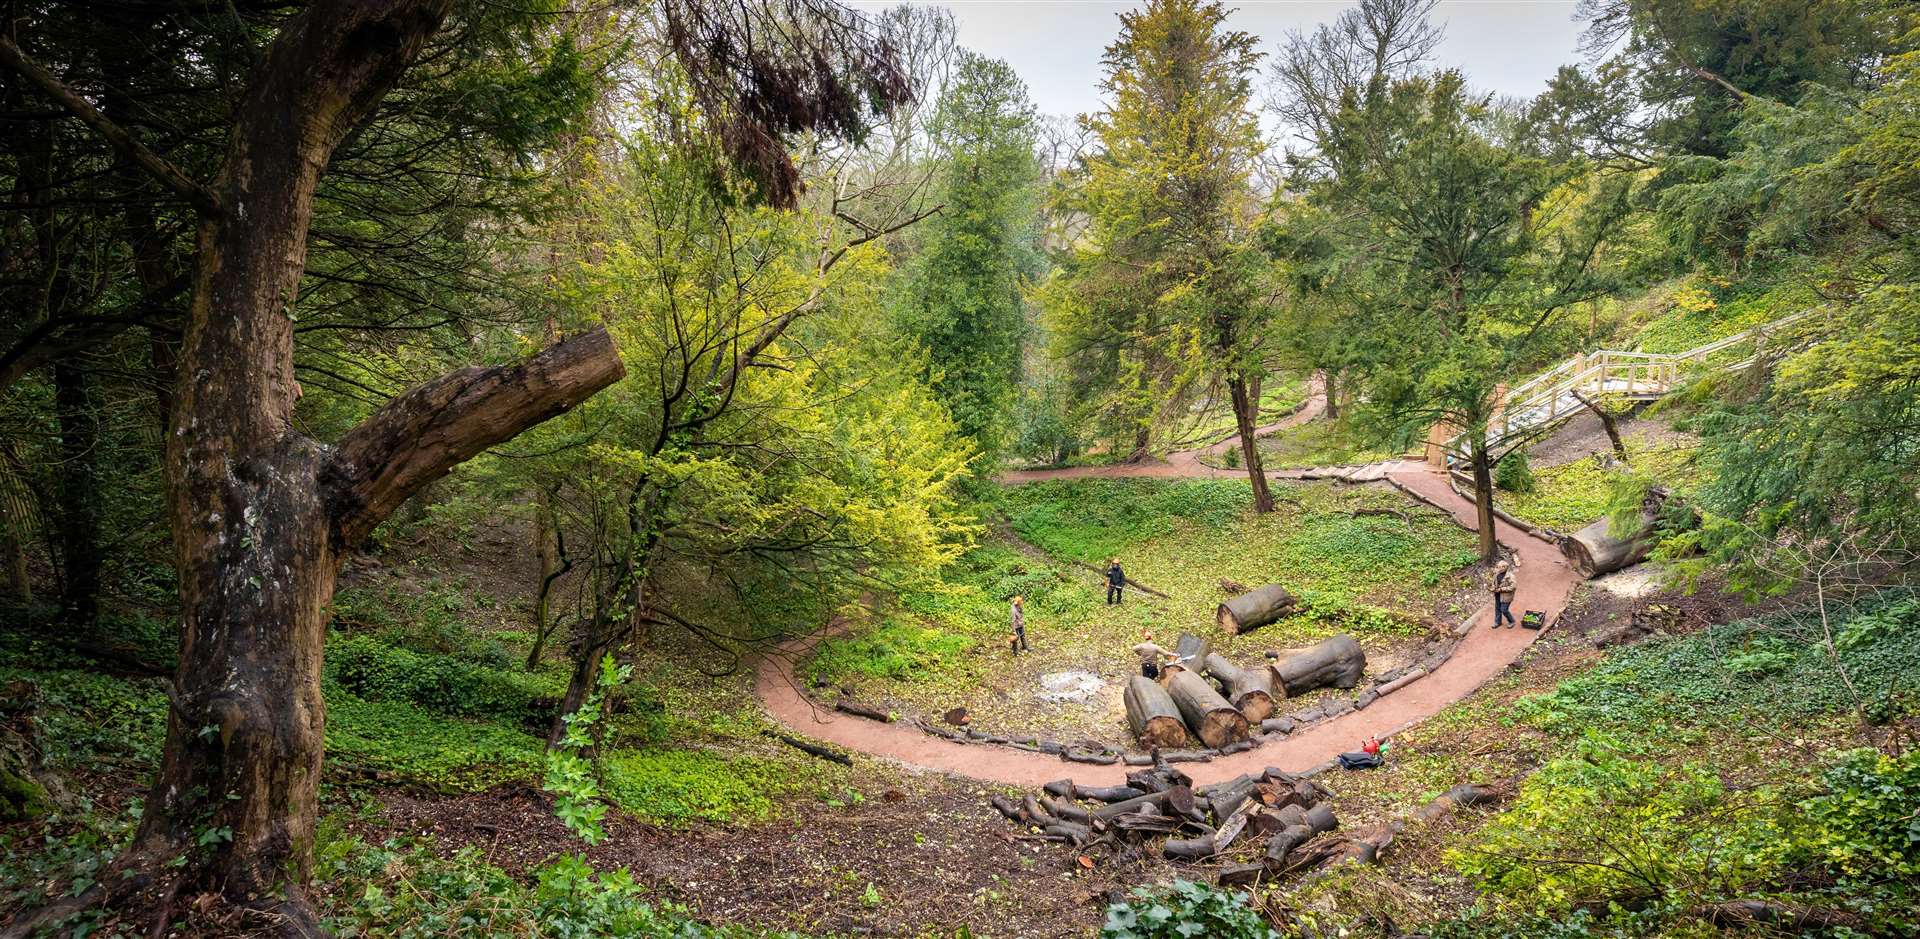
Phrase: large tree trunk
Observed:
(1246, 416)
(1249, 689)
(1595, 551)
(1338, 662)
(261, 515)
(1152, 714)
(1330, 389)
(1208, 714)
(79, 494)
(1483, 499)
(1254, 609)
(548, 545)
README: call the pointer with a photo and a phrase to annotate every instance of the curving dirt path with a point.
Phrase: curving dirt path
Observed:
(1180, 464)
(1545, 583)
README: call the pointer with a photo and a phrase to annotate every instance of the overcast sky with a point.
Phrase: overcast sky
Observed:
(1510, 47)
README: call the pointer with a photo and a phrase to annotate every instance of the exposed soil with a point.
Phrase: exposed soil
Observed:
(929, 847)
(1583, 436)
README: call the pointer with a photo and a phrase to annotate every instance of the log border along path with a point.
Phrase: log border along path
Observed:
(1545, 584)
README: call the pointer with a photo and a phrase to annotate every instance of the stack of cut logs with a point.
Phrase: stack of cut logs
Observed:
(1284, 811)
(1183, 702)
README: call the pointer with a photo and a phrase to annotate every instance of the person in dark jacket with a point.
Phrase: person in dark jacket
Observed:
(1116, 579)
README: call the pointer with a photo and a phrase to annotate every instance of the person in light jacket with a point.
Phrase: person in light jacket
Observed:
(1019, 619)
(1504, 587)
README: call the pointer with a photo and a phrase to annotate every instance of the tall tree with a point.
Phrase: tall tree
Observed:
(1457, 259)
(1168, 280)
(262, 515)
(965, 291)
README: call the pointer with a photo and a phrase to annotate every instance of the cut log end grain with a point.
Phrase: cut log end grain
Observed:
(1207, 714)
(1151, 712)
(1594, 550)
(1254, 609)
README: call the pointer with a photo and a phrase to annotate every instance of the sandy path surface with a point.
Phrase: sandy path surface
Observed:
(1545, 584)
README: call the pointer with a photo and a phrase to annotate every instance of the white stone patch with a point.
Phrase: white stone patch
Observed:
(1636, 581)
(1069, 687)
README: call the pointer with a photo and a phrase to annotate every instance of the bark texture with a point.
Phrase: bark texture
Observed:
(1152, 714)
(1246, 417)
(1336, 662)
(1208, 714)
(1254, 609)
(1594, 550)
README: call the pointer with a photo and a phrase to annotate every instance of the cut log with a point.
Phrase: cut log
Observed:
(1230, 829)
(1336, 662)
(1069, 831)
(1059, 787)
(1189, 655)
(1594, 550)
(1188, 849)
(1208, 714)
(1152, 800)
(1005, 806)
(1107, 793)
(1320, 818)
(1153, 823)
(1067, 811)
(1229, 796)
(1040, 816)
(867, 711)
(1248, 689)
(1180, 802)
(1254, 609)
(1242, 875)
(1283, 843)
(1153, 715)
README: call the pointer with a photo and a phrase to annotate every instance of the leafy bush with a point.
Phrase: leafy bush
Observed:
(1867, 823)
(1597, 827)
(94, 721)
(1512, 474)
(372, 668)
(1184, 910)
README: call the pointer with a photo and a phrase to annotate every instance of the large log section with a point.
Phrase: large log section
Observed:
(1595, 551)
(1249, 689)
(1209, 716)
(1336, 662)
(1254, 609)
(1154, 716)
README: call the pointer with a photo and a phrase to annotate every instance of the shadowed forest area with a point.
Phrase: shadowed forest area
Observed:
(744, 469)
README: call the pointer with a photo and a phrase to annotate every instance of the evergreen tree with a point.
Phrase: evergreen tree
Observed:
(964, 299)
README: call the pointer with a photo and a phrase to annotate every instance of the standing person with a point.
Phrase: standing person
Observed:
(1019, 616)
(1152, 655)
(1116, 579)
(1504, 587)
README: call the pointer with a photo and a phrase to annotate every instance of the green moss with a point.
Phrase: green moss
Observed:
(21, 798)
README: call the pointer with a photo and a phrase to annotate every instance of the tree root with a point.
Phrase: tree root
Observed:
(128, 885)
